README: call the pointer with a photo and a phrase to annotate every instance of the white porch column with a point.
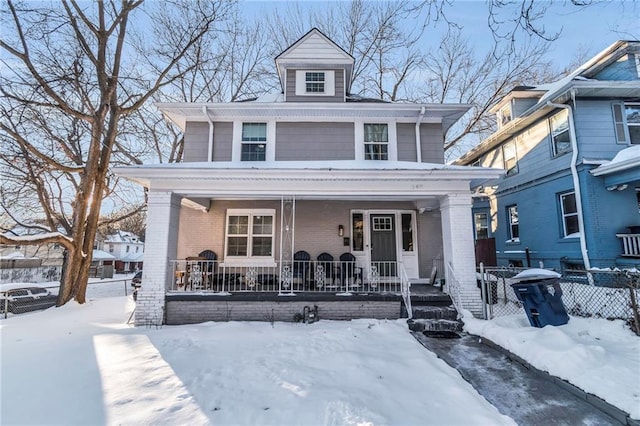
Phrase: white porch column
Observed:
(163, 216)
(459, 251)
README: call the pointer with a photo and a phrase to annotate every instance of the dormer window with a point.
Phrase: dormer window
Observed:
(314, 82)
(504, 115)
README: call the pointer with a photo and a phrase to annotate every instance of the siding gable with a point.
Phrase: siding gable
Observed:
(624, 69)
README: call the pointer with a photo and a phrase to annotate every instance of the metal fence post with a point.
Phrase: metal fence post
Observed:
(483, 292)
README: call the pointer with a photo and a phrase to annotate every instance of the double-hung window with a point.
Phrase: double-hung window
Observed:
(254, 141)
(510, 157)
(627, 122)
(376, 141)
(559, 130)
(514, 223)
(250, 233)
(314, 81)
(569, 208)
(481, 225)
(504, 116)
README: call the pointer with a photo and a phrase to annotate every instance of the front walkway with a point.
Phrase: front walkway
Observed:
(528, 396)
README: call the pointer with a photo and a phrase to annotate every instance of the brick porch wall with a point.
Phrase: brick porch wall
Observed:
(192, 312)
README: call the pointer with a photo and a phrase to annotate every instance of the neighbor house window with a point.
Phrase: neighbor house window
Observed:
(514, 223)
(627, 122)
(110, 248)
(127, 250)
(504, 115)
(376, 142)
(254, 141)
(314, 82)
(559, 130)
(250, 233)
(481, 221)
(510, 158)
(569, 208)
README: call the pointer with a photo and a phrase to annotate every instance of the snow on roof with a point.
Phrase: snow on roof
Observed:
(102, 255)
(12, 255)
(133, 257)
(122, 237)
(625, 159)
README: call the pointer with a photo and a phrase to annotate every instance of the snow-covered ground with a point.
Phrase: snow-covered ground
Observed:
(600, 357)
(81, 364)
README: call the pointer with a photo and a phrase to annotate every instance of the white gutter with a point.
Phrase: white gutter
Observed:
(418, 144)
(210, 150)
(576, 181)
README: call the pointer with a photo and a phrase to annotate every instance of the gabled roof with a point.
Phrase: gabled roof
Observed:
(314, 48)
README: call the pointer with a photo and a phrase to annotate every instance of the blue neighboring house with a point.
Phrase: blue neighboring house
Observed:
(570, 196)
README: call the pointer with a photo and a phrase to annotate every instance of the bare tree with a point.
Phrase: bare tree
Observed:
(76, 73)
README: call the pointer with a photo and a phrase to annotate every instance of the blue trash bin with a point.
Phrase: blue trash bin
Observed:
(541, 297)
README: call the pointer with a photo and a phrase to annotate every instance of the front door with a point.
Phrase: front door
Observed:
(383, 244)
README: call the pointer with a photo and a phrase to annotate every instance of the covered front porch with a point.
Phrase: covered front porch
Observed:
(215, 232)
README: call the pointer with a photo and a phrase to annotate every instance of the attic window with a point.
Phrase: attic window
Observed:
(314, 82)
(504, 115)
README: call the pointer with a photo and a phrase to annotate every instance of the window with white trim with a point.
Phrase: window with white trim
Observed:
(627, 122)
(250, 233)
(510, 158)
(514, 223)
(559, 131)
(254, 142)
(376, 141)
(504, 115)
(481, 222)
(570, 226)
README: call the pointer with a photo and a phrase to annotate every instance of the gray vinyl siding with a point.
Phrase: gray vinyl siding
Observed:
(196, 141)
(339, 95)
(222, 141)
(315, 141)
(432, 141)
(406, 134)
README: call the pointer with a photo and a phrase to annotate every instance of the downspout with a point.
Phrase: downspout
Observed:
(418, 144)
(576, 181)
(210, 150)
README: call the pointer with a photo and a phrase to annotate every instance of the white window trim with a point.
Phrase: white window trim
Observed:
(565, 215)
(475, 229)
(561, 115)
(250, 260)
(392, 133)
(270, 149)
(501, 115)
(516, 167)
(623, 122)
(329, 83)
(512, 239)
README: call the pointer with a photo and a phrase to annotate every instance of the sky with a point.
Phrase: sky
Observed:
(247, 373)
(580, 28)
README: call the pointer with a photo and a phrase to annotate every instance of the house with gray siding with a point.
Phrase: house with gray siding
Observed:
(295, 197)
(570, 197)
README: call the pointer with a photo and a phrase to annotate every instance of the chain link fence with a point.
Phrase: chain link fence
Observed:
(599, 294)
(18, 298)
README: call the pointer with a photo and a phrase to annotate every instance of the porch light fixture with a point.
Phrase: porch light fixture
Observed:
(340, 230)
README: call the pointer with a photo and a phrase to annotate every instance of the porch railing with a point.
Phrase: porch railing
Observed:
(630, 244)
(289, 277)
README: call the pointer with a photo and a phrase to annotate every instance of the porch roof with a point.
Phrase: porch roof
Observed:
(312, 179)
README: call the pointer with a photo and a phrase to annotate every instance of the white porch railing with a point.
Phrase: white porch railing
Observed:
(630, 244)
(289, 277)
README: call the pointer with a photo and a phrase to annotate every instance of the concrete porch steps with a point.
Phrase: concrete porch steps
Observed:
(432, 310)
